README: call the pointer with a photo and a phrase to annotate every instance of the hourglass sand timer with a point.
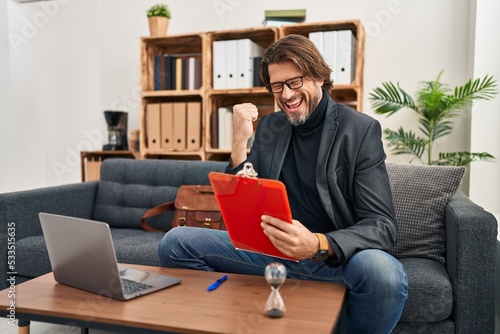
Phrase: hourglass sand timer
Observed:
(275, 276)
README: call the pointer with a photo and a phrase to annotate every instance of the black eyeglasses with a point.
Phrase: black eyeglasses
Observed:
(292, 83)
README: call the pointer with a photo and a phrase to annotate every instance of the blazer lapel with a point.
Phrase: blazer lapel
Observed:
(330, 128)
(284, 133)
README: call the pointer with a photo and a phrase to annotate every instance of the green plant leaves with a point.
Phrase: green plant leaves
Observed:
(403, 142)
(462, 158)
(479, 89)
(436, 107)
(158, 10)
(435, 130)
(390, 98)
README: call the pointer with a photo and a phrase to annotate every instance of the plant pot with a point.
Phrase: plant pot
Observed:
(158, 25)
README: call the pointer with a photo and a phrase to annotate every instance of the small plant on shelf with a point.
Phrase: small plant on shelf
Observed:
(158, 17)
(159, 10)
(436, 107)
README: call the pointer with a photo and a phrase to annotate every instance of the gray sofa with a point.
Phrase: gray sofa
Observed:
(450, 265)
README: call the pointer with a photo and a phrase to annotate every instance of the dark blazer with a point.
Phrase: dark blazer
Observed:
(351, 176)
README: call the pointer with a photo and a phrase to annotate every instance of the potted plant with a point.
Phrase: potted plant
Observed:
(435, 107)
(158, 18)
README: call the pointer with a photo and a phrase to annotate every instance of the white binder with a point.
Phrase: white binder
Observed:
(330, 52)
(231, 63)
(225, 127)
(194, 73)
(219, 64)
(317, 38)
(346, 57)
(247, 51)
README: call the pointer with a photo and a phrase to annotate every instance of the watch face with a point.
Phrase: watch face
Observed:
(320, 256)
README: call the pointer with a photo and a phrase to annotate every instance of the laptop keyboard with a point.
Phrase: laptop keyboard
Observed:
(132, 287)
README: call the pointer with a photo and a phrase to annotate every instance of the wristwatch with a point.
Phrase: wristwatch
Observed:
(322, 254)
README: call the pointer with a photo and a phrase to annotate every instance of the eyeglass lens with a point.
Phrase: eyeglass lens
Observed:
(292, 83)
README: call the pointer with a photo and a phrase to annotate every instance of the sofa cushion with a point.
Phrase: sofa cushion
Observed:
(131, 246)
(32, 259)
(127, 188)
(443, 327)
(420, 194)
(430, 296)
(136, 247)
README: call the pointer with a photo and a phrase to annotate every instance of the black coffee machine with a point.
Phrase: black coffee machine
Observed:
(117, 130)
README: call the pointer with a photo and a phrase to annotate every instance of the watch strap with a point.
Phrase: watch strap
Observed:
(323, 241)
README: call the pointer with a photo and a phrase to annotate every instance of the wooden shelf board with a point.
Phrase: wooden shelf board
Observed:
(187, 41)
(306, 27)
(173, 155)
(173, 93)
(260, 35)
(240, 91)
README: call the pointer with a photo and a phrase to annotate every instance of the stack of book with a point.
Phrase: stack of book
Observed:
(236, 63)
(284, 16)
(177, 71)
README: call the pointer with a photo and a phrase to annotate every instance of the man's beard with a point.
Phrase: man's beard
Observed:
(299, 119)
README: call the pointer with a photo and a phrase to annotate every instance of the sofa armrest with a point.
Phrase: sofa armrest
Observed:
(471, 236)
(19, 214)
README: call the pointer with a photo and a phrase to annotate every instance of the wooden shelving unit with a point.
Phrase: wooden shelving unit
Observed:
(177, 44)
(211, 99)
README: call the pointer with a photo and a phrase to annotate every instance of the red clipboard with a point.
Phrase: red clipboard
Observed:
(242, 201)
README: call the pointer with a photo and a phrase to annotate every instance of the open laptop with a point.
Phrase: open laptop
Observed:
(82, 255)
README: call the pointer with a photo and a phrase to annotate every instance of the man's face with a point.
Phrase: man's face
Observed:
(298, 104)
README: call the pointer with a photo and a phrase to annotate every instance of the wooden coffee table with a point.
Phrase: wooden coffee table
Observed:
(237, 306)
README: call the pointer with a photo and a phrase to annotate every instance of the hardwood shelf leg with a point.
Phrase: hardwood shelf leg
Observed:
(23, 326)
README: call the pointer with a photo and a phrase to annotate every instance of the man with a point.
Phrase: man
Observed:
(331, 159)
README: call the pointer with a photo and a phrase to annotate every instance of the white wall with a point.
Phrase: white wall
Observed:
(85, 60)
(485, 122)
(55, 93)
(6, 162)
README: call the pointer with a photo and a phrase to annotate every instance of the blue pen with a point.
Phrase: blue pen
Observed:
(216, 284)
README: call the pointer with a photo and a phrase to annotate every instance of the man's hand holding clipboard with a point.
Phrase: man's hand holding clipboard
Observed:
(243, 201)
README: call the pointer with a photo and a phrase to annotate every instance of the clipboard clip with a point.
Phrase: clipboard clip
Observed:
(247, 171)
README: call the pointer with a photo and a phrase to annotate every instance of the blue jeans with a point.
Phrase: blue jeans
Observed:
(376, 281)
